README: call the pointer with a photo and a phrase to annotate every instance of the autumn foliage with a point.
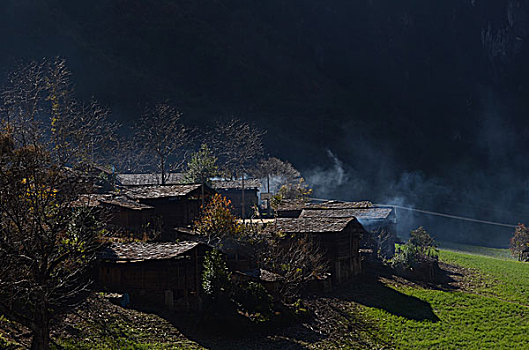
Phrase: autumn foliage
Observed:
(217, 220)
(520, 242)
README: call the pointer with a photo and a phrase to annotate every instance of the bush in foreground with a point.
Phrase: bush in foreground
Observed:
(418, 258)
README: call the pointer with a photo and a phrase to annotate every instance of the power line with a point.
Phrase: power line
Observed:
(449, 216)
(456, 217)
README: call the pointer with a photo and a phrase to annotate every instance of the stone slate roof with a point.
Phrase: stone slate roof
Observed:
(249, 184)
(124, 202)
(96, 200)
(288, 205)
(341, 205)
(360, 214)
(91, 200)
(141, 251)
(311, 225)
(159, 191)
(291, 204)
(149, 179)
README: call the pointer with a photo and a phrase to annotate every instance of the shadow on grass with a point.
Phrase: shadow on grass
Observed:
(376, 294)
(370, 291)
(237, 331)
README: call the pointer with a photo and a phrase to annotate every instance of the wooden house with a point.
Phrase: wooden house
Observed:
(379, 222)
(123, 215)
(176, 205)
(232, 190)
(129, 215)
(160, 274)
(339, 239)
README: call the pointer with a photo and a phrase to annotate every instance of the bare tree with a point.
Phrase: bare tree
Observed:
(162, 138)
(39, 102)
(281, 172)
(22, 101)
(89, 134)
(239, 146)
(297, 259)
(278, 173)
(46, 245)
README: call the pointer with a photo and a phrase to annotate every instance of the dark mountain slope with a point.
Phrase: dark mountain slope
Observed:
(390, 87)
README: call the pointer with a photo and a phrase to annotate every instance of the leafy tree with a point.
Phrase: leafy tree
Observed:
(216, 278)
(297, 191)
(422, 240)
(201, 167)
(520, 242)
(277, 172)
(217, 221)
(46, 246)
(253, 297)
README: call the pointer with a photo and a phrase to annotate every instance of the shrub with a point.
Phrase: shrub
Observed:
(253, 297)
(419, 249)
(520, 242)
(216, 278)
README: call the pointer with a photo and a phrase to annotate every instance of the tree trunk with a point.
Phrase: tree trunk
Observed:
(242, 200)
(41, 330)
(162, 168)
(202, 179)
(268, 190)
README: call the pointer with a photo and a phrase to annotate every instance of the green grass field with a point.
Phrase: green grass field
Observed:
(472, 249)
(491, 311)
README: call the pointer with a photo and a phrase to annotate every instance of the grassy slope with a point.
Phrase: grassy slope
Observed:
(492, 310)
(473, 249)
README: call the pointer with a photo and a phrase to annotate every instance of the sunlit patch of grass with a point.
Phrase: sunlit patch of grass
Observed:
(501, 253)
(465, 321)
(505, 279)
(493, 314)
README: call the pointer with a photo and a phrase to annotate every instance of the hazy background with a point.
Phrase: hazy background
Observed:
(418, 103)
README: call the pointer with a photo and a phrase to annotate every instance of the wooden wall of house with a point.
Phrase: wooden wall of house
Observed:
(129, 220)
(149, 281)
(342, 251)
(175, 212)
(372, 240)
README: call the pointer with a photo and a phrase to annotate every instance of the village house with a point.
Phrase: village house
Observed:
(379, 222)
(127, 215)
(160, 274)
(121, 213)
(175, 205)
(338, 238)
(232, 190)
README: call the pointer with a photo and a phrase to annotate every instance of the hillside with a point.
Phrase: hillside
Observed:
(482, 306)
(394, 101)
(422, 72)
